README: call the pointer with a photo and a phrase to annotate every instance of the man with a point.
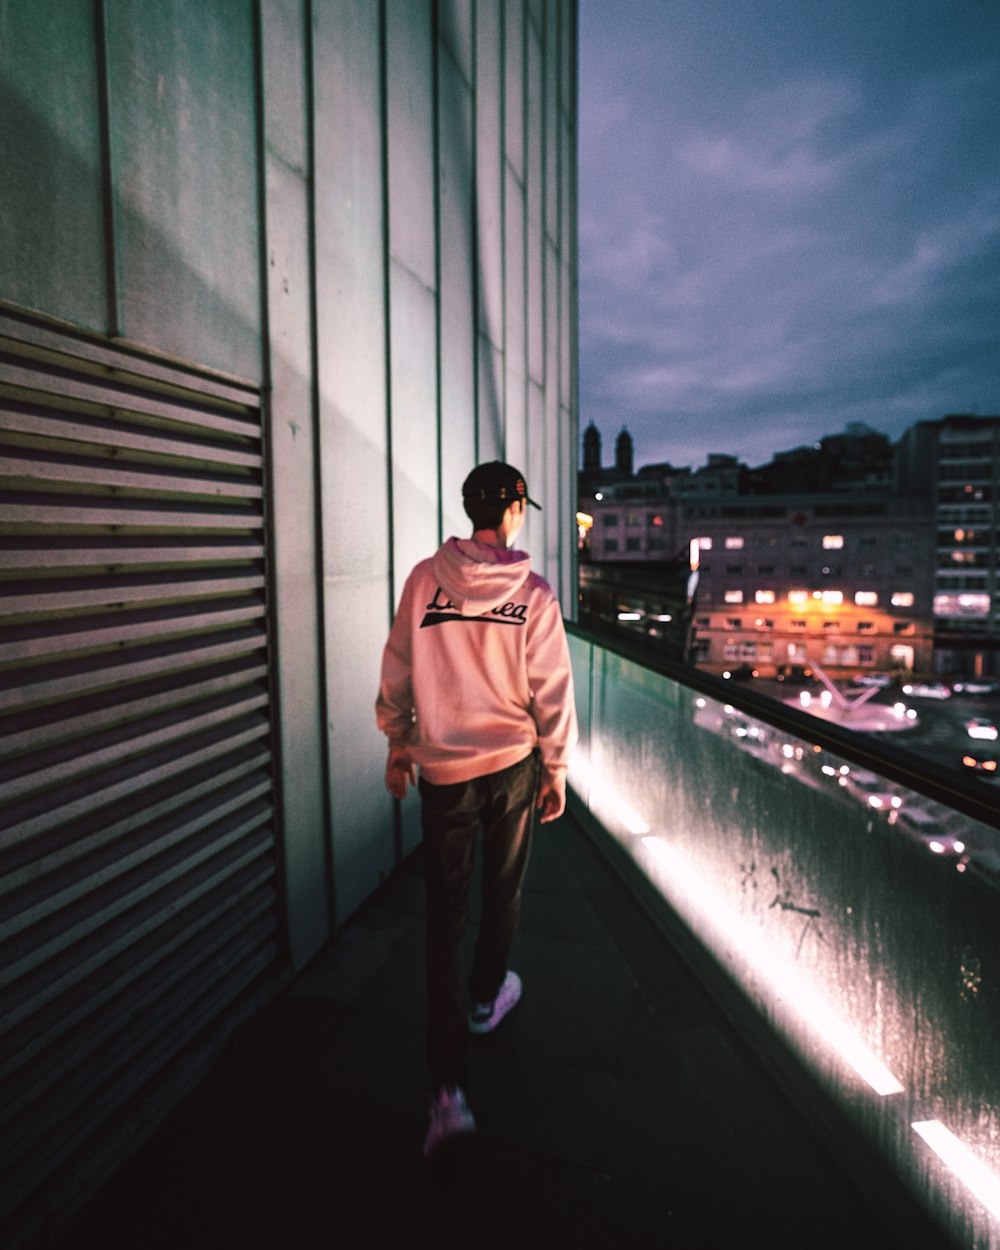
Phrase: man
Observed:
(477, 693)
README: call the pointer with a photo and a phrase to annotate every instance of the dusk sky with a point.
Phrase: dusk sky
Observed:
(789, 220)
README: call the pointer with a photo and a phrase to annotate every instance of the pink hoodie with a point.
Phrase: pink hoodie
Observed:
(476, 669)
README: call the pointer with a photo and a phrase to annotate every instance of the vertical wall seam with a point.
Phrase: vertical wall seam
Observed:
(270, 519)
(383, 94)
(436, 165)
(309, 58)
(525, 229)
(574, 287)
(477, 286)
(501, 11)
(383, 99)
(544, 245)
(110, 216)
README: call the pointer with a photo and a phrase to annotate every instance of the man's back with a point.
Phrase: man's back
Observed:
(477, 653)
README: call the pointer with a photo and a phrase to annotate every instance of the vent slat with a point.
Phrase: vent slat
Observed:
(53, 429)
(51, 594)
(30, 685)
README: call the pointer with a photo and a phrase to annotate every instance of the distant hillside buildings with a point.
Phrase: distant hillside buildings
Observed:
(856, 552)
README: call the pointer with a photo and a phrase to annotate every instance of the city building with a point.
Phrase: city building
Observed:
(844, 579)
(967, 545)
(594, 477)
(825, 553)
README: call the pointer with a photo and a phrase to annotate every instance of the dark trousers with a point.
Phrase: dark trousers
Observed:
(503, 803)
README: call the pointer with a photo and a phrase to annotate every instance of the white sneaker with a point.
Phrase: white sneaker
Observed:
(450, 1116)
(484, 1017)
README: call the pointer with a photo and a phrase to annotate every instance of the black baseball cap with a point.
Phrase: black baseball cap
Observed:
(497, 482)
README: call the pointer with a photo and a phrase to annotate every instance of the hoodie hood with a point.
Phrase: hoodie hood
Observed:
(478, 578)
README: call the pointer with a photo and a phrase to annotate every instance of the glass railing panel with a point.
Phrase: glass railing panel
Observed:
(861, 916)
(580, 653)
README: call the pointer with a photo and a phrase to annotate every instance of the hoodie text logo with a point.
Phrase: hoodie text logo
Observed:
(441, 609)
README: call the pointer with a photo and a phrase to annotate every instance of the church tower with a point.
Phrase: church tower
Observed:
(591, 449)
(623, 453)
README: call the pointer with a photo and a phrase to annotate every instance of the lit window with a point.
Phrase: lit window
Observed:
(866, 598)
(798, 596)
(833, 596)
(764, 596)
(833, 542)
(705, 544)
(656, 520)
(902, 599)
(961, 605)
(733, 596)
(734, 542)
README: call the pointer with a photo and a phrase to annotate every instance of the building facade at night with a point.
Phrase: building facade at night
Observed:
(784, 580)
(841, 574)
(274, 277)
(967, 546)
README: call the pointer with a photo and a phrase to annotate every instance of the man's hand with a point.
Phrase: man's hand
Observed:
(551, 796)
(399, 771)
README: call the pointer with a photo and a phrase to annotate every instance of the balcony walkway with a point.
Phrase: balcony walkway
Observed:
(616, 1106)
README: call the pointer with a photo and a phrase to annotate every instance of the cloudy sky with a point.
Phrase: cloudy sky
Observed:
(789, 219)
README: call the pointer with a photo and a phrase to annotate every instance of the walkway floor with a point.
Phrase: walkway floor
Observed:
(616, 1108)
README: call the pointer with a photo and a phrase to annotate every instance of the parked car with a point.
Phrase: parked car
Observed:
(927, 690)
(936, 829)
(743, 672)
(873, 790)
(795, 674)
(881, 680)
(976, 685)
(982, 728)
(980, 762)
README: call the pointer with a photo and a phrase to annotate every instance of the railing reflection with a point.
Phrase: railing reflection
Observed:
(847, 888)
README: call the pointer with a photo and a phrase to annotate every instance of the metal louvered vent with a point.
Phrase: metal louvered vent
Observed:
(138, 910)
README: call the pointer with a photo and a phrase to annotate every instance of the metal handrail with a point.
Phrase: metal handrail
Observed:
(924, 776)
